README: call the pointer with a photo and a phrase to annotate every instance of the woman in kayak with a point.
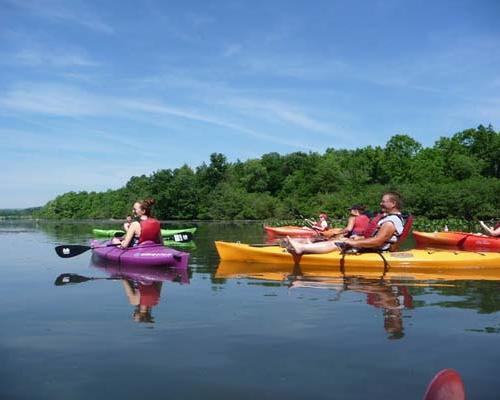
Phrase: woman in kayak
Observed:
(357, 223)
(321, 225)
(147, 228)
(389, 228)
(492, 231)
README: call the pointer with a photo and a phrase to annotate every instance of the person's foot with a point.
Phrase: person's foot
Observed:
(294, 246)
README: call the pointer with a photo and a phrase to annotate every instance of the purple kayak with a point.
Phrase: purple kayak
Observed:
(142, 273)
(147, 254)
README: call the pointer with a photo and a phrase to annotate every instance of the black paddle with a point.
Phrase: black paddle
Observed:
(72, 250)
(66, 279)
(182, 237)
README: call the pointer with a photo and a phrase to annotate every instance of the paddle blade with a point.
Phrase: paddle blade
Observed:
(65, 279)
(71, 250)
(183, 237)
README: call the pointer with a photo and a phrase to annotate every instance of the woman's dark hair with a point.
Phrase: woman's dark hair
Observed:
(147, 205)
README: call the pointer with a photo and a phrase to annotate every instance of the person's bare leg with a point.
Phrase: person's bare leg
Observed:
(311, 248)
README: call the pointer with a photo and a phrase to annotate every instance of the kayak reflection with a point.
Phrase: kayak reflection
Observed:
(387, 290)
(142, 285)
(391, 298)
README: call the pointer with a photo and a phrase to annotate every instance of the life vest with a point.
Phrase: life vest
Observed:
(372, 225)
(397, 238)
(361, 223)
(150, 230)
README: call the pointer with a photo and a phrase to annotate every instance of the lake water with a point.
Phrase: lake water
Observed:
(232, 331)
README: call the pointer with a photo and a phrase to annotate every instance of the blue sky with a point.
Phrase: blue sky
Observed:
(93, 92)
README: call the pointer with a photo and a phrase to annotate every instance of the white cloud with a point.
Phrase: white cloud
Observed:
(50, 99)
(39, 57)
(74, 12)
(155, 108)
(68, 101)
(279, 110)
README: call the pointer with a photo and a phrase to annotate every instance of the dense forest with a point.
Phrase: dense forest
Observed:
(457, 177)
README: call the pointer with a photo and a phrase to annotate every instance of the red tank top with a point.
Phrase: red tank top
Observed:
(150, 230)
(150, 294)
(361, 223)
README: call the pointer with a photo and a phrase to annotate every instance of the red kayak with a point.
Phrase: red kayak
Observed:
(461, 240)
(295, 231)
(447, 384)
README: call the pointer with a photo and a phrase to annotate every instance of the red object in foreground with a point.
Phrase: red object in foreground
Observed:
(446, 385)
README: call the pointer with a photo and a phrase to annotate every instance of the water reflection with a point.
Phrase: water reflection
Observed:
(391, 291)
(142, 285)
(392, 298)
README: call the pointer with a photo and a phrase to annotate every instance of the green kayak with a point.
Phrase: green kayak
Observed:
(170, 232)
(185, 245)
(107, 232)
(164, 232)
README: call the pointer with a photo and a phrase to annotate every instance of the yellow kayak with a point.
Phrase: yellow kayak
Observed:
(441, 259)
(323, 273)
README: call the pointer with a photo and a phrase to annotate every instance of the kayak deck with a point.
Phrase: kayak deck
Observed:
(147, 253)
(412, 258)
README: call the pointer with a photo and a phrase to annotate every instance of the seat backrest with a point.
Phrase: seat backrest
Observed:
(372, 226)
(406, 231)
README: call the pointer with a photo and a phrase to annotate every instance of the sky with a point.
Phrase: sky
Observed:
(94, 92)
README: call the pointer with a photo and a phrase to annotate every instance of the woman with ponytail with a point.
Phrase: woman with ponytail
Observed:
(144, 228)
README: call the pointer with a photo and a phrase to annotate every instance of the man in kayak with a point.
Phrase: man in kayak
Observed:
(147, 228)
(388, 230)
(492, 231)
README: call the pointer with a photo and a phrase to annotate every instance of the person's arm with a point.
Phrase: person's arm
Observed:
(384, 234)
(490, 231)
(350, 224)
(133, 296)
(135, 229)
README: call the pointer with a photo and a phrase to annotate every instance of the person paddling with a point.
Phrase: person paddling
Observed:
(389, 228)
(492, 231)
(147, 228)
(321, 225)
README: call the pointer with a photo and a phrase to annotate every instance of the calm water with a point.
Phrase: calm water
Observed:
(232, 331)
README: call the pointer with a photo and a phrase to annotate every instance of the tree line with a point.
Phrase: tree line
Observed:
(457, 177)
